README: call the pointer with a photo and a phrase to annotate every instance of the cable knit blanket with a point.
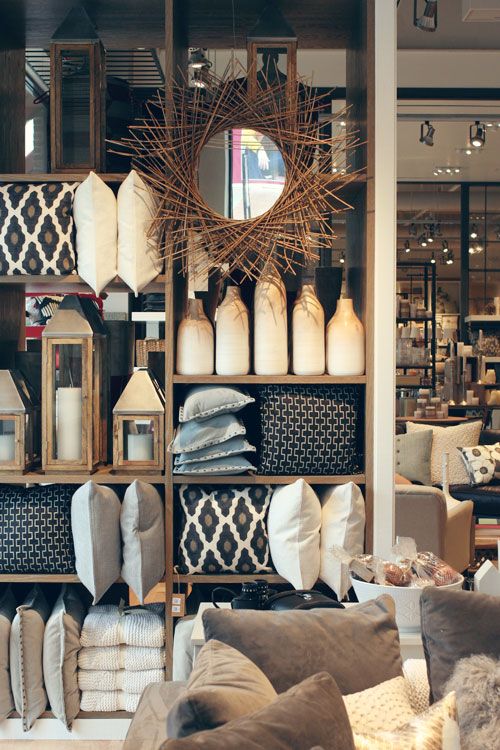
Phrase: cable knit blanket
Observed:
(129, 682)
(105, 625)
(132, 658)
(95, 700)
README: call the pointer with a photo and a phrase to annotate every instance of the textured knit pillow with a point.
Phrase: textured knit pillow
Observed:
(310, 430)
(436, 729)
(293, 526)
(223, 686)
(143, 533)
(218, 466)
(413, 456)
(26, 648)
(41, 518)
(482, 463)
(447, 440)
(139, 258)
(36, 228)
(232, 447)
(383, 707)
(95, 523)
(223, 529)
(96, 232)
(61, 643)
(342, 525)
(193, 436)
(205, 401)
(7, 614)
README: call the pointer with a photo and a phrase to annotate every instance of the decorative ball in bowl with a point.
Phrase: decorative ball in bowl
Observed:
(407, 600)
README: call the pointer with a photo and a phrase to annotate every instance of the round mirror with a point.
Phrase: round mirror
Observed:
(241, 173)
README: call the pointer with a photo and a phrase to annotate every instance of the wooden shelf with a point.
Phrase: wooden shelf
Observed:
(59, 177)
(273, 379)
(103, 475)
(42, 578)
(258, 479)
(85, 715)
(72, 283)
(228, 578)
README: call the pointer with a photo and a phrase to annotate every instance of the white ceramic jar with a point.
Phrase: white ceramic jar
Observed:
(232, 335)
(195, 342)
(308, 334)
(270, 325)
(345, 341)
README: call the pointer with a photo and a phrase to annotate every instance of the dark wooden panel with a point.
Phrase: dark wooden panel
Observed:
(12, 96)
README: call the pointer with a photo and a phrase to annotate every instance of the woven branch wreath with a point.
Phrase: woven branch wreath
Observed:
(166, 147)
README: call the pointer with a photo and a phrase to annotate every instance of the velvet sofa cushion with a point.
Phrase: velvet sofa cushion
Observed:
(455, 625)
(358, 646)
(486, 497)
(148, 729)
(223, 685)
(309, 714)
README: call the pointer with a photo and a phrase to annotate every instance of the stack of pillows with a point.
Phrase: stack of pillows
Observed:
(210, 439)
(122, 652)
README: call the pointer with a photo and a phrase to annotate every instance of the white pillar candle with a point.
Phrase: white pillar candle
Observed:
(7, 448)
(69, 424)
(470, 396)
(140, 447)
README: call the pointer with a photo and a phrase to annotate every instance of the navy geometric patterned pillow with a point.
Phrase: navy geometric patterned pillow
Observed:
(35, 529)
(224, 529)
(36, 229)
(310, 430)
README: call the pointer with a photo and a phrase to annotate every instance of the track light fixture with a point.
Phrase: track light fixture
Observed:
(449, 259)
(446, 247)
(198, 59)
(428, 20)
(422, 240)
(407, 247)
(477, 134)
(342, 257)
(427, 133)
(433, 258)
(473, 232)
(412, 231)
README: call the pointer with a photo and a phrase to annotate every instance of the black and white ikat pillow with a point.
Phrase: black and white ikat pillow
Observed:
(36, 229)
(224, 529)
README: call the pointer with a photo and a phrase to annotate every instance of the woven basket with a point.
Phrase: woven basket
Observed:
(144, 346)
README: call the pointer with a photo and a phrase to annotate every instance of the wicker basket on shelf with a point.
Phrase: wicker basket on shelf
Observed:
(144, 346)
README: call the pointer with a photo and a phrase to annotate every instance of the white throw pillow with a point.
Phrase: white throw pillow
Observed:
(139, 260)
(293, 526)
(448, 440)
(94, 212)
(385, 707)
(342, 525)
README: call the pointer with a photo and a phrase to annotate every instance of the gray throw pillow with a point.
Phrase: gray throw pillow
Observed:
(217, 466)
(95, 525)
(7, 614)
(205, 401)
(223, 685)
(413, 456)
(311, 713)
(192, 436)
(358, 646)
(455, 625)
(61, 643)
(143, 534)
(232, 447)
(26, 648)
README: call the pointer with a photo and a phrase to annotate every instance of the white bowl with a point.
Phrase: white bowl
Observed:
(407, 600)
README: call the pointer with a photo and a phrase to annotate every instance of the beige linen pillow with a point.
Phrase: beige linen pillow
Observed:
(448, 440)
(7, 614)
(143, 535)
(223, 685)
(61, 643)
(26, 647)
(413, 456)
(383, 707)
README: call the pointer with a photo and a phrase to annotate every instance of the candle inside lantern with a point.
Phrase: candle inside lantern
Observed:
(140, 447)
(7, 448)
(69, 424)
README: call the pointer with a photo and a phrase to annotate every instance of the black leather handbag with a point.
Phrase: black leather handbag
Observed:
(301, 599)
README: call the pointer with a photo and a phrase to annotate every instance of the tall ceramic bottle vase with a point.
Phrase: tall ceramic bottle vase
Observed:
(345, 341)
(195, 342)
(270, 325)
(308, 333)
(232, 335)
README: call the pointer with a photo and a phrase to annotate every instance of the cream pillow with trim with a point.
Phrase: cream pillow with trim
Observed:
(449, 440)
(384, 707)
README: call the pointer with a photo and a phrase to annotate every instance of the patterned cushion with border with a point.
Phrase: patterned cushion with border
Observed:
(482, 462)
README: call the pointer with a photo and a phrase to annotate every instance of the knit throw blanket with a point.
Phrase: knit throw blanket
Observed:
(96, 700)
(106, 625)
(129, 682)
(131, 658)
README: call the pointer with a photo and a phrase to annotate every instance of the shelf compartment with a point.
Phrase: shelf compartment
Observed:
(85, 715)
(103, 475)
(259, 479)
(273, 379)
(228, 578)
(72, 283)
(42, 578)
(35, 177)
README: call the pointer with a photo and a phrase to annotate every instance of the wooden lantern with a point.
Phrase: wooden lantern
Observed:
(271, 50)
(77, 96)
(19, 424)
(74, 391)
(138, 426)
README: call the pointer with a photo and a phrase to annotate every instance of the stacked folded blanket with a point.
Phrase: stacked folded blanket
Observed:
(122, 653)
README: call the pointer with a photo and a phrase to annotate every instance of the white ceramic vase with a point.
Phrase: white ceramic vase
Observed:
(270, 325)
(345, 341)
(195, 342)
(232, 335)
(308, 333)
